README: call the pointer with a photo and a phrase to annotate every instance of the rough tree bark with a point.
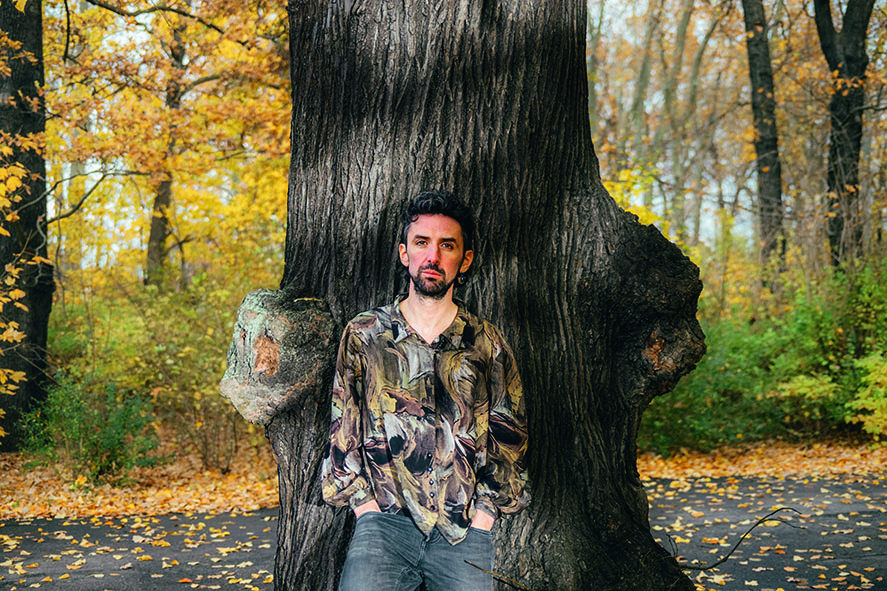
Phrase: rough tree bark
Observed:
(22, 124)
(846, 55)
(763, 105)
(487, 99)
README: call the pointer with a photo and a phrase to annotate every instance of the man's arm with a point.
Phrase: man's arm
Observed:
(344, 479)
(501, 486)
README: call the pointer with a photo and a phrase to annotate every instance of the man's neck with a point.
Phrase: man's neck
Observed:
(429, 316)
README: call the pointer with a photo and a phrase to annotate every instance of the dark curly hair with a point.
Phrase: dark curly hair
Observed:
(439, 203)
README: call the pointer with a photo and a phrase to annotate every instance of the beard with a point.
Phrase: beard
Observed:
(430, 288)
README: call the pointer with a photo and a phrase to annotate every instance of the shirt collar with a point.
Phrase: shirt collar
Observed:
(456, 333)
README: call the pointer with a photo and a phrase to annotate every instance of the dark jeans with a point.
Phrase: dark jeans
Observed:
(389, 553)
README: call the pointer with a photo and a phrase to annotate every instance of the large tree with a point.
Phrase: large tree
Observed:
(487, 99)
(24, 311)
(845, 52)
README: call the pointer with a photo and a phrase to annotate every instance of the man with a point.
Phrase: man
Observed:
(428, 430)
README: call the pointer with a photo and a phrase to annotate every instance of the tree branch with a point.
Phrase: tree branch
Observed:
(76, 207)
(828, 36)
(160, 8)
(856, 22)
(195, 83)
(56, 184)
(66, 56)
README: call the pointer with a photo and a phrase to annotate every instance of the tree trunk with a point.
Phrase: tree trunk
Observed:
(487, 99)
(22, 125)
(846, 55)
(159, 232)
(763, 105)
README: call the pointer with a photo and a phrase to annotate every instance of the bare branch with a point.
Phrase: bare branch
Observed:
(76, 207)
(55, 185)
(66, 56)
(195, 83)
(159, 8)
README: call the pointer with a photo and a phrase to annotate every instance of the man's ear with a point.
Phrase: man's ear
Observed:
(466, 260)
(404, 257)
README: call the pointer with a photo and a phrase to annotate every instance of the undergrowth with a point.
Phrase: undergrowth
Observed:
(809, 363)
(95, 429)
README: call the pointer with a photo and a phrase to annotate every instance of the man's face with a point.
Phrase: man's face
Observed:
(434, 254)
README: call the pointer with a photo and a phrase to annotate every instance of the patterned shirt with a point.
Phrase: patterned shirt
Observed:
(435, 431)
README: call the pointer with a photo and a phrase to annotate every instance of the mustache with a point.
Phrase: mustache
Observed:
(431, 267)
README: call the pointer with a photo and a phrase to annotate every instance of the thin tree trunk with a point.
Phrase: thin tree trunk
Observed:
(156, 250)
(23, 116)
(489, 100)
(763, 104)
(594, 41)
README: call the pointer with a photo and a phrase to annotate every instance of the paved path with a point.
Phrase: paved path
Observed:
(140, 554)
(839, 541)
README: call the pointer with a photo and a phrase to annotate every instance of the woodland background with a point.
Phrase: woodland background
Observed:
(166, 152)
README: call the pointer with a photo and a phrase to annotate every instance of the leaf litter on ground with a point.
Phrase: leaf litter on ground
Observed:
(182, 485)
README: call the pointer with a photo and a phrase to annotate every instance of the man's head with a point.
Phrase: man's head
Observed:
(442, 203)
(436, 241)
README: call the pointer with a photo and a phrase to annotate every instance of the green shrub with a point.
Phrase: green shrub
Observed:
(810, 403)
(186, 336)
(170, 345)
(809, 364)
(93, 428)
(870, 401)
(721, 401)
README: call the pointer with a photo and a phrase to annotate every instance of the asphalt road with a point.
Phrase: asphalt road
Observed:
(836, 537)
(836, 540)
(196, 551)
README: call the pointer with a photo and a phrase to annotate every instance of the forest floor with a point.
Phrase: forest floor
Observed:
(205, 529)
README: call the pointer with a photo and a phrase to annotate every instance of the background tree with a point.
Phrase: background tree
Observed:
(766, 138)
(487, 99)
(24, 310)
(847, 60)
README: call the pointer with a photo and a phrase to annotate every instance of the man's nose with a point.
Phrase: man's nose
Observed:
(434, 255)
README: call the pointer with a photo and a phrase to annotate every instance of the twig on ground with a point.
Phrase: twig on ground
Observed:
(763, 519)
(502, 578)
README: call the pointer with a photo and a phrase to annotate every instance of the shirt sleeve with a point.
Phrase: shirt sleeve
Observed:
(502, 483)
(344, 479)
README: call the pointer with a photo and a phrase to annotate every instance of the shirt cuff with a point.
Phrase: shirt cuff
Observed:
(486, 505)
(361, 497)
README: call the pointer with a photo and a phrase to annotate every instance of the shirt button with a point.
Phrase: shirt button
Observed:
(430, 468)
(431, 482)
(431, 495)
(428, 455)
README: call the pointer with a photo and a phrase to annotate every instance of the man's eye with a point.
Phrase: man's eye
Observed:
(448, 245)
